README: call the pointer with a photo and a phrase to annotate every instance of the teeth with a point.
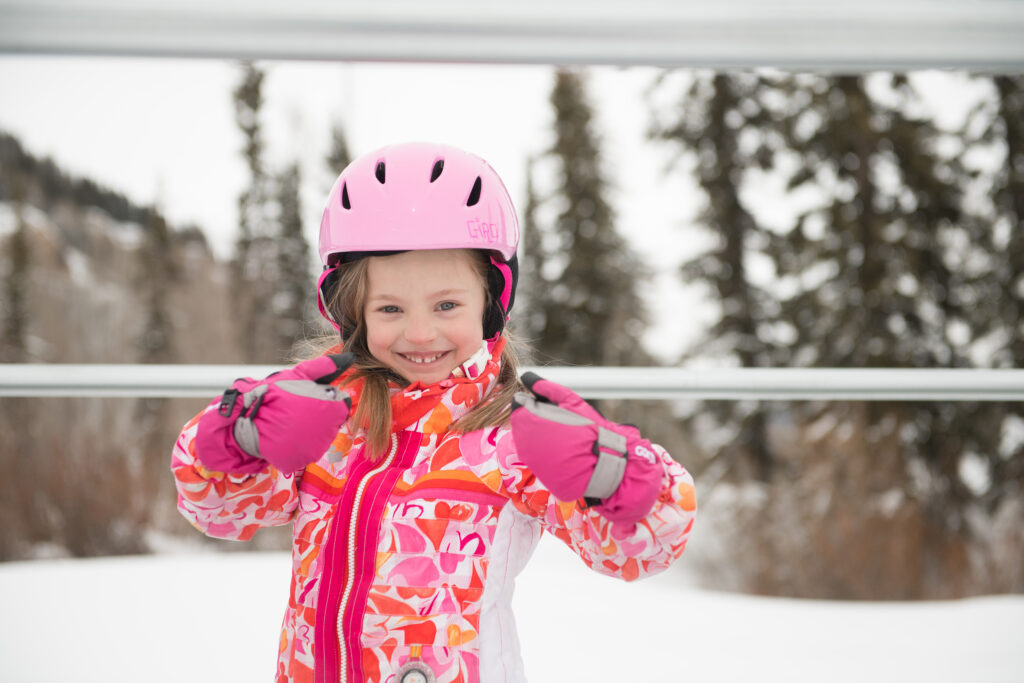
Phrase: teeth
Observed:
(424, 359)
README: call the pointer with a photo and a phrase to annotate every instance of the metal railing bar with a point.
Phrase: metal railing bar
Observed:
(801, 34)
(826, 384)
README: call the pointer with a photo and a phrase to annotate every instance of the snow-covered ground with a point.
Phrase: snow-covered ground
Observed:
(215, 617)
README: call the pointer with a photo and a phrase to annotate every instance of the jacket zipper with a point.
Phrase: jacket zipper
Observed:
(351, 555)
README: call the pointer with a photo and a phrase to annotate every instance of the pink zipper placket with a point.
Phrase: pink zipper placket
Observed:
(350, 556)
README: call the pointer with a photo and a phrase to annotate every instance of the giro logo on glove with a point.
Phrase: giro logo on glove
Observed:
(577, 453)
(645, 453)
(288, 419)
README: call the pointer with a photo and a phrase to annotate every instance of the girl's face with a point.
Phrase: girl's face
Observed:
(424, 312)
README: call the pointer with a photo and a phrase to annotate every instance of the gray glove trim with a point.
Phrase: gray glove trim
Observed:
(246, 435)
(308, 389)
(549, 411)
(613, 441)
(610, 469)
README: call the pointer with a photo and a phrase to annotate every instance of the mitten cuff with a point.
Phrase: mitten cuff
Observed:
(216, 447)
(640, 486)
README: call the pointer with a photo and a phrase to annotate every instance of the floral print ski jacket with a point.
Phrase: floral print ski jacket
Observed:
(408, 562)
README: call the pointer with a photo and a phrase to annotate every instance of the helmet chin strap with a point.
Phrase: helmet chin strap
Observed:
(501, 283)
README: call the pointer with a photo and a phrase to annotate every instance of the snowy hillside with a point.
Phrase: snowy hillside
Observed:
(214, 617)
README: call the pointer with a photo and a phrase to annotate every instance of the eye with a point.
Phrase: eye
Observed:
(447, 306)
(389, 309)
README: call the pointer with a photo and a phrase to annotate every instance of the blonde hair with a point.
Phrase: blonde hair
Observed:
(373, 412)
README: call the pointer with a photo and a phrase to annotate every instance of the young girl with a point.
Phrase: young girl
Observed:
(417, 472)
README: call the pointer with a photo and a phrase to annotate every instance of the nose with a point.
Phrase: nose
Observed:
(420, 329)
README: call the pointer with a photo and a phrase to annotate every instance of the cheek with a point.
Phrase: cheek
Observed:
(472, 330)
(377, 339)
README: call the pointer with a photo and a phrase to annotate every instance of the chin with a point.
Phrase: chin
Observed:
(427, 377)
(425, 381)
(433, 378)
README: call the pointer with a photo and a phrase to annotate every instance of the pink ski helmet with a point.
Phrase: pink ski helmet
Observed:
(421, 196)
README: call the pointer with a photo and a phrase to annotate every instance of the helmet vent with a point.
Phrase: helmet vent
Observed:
(344, 197)
(436, 172)
(379, 172)
(474, 194)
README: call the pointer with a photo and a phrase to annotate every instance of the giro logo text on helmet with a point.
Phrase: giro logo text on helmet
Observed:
(479, 230)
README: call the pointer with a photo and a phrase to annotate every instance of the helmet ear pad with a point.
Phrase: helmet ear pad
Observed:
(502, 278)
(325, 290)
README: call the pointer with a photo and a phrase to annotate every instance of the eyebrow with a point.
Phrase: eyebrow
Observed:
(452, 291)
(440, 294)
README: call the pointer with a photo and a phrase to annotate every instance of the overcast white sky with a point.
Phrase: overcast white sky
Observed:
(163, 130)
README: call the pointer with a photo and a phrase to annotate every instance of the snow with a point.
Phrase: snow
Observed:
(215, 617)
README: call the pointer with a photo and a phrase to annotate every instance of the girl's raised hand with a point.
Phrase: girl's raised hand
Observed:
(288, 419)
(577, 453)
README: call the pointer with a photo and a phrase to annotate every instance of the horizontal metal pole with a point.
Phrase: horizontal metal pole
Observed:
(798, 34)
(829, 384)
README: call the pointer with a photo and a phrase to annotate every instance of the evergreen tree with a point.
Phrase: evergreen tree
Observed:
(291, 301)
(339, 157)
(15, 309)
(583, 305)
(1007, 468)
(593, 314)
(881, 281)
(255, 259)
(529, 319)
(156, 274)
(998, 319)
(155, 278)
(879, 235)
(713, 115)
(886, 268)
(893, 205)
(1007, 239)
(17, 420)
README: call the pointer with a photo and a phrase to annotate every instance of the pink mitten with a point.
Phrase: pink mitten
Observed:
(577, 453)
(288, 419)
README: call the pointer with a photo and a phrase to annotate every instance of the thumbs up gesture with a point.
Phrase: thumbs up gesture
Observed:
(288, 419)
(577, 453)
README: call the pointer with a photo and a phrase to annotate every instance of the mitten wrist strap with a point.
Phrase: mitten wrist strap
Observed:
(246, 435)
(611, 466)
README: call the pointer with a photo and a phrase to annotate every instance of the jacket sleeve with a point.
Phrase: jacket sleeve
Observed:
(626, 551)
(226, 505)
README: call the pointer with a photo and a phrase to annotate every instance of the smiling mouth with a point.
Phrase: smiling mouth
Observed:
(423, 358)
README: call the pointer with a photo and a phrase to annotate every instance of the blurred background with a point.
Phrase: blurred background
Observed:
(166, 211)
(161, 212)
